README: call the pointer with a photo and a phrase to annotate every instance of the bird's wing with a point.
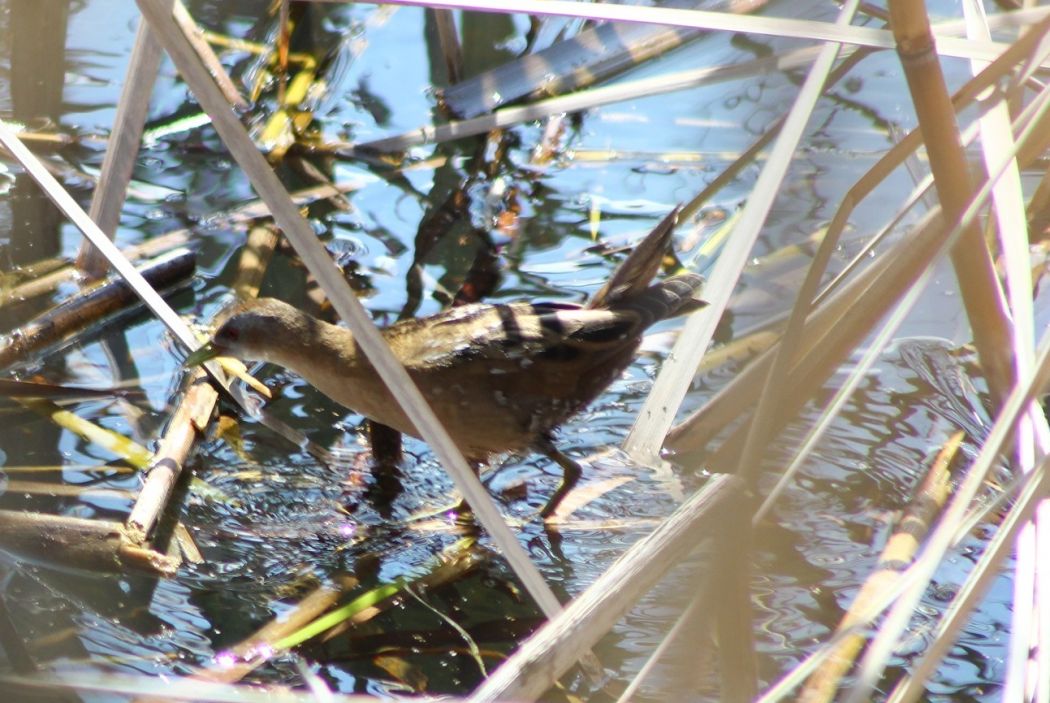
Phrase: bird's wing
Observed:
(510, 332)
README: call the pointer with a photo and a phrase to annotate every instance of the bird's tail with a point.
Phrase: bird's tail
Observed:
(637, 270)
(676, 295)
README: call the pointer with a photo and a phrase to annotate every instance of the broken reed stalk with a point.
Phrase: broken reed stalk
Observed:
(969, 596)
(195, 407)
(76, 543)
(189, 419)
(87, 307)
(981, 293)
(542, 658)
(897, 555)
(454, 562)
(251, 652)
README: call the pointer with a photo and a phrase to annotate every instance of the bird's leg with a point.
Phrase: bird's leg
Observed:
(464, 513)
(385, 442)
(386, 475)
(570, 474)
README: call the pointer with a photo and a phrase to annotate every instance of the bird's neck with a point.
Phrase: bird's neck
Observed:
(328, 357)
(311, 347)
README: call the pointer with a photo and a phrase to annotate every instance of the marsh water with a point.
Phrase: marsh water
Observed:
(272, 521)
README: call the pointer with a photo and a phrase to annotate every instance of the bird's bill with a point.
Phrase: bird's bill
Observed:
(205, 352)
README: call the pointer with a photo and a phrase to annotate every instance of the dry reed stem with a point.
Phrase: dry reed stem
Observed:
(740, 394)
(693, 621)
(1033, 435)
(190, 417)
(72, 210)
(119, 161)
(778, 27)
(657, 414)
(195, 407)
(298, 231)
(1039, 203)
(96, 545)
(981, 293)
(30, 389)
(765, 422)
(195, 38)
(727, 175)
(831, 332)
(541, 659)
(1017, 402)
(448, 39)
(898, 553)
(573, 102)
(132, 111)
(592, 55)
(87, 307)
(735, 616)
(999, 548)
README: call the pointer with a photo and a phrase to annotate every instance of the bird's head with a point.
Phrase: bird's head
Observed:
(253, 330)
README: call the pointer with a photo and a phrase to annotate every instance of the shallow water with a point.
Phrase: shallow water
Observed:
(273, 521)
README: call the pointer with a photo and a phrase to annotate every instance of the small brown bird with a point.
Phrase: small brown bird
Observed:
(500, 377)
